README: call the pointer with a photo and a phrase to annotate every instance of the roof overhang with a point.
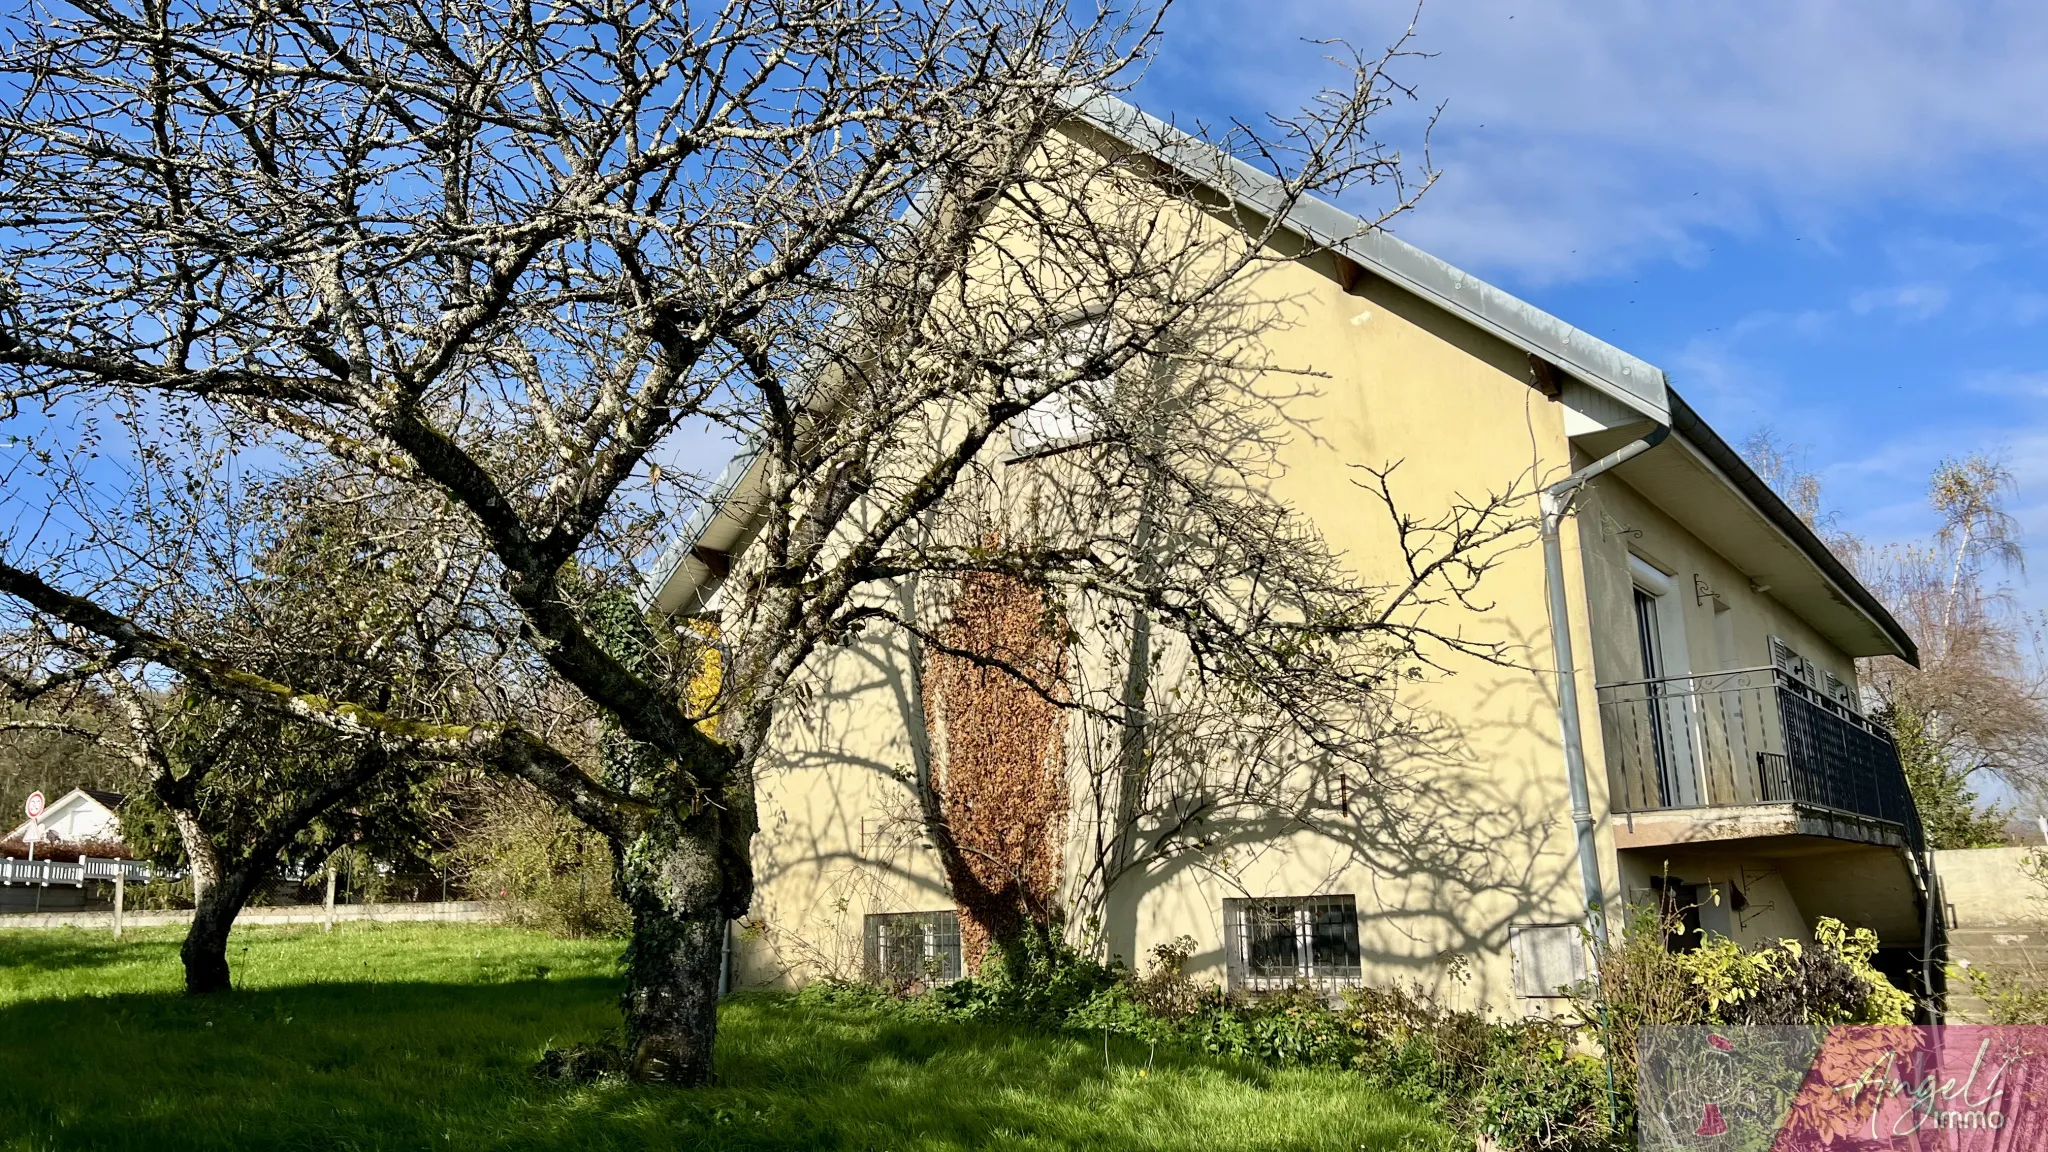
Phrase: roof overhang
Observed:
(690, 570)
(1697, 479)
(1636, 383)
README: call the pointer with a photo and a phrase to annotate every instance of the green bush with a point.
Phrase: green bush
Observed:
(1539, 1092)
(1530, 1085)
(1525, 1084)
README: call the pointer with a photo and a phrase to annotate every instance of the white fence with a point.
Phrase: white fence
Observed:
(73, 873)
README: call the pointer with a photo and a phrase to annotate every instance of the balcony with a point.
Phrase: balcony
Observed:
(1745, 754)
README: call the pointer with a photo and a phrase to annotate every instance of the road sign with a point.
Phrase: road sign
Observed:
(34, 805)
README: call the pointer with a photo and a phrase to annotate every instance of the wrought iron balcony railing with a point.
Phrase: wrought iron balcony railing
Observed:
(1749, 736)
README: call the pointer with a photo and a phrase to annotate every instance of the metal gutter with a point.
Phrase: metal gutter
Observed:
(681, 549)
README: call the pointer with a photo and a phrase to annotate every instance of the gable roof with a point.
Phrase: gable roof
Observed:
(97, 797)
(690, 567)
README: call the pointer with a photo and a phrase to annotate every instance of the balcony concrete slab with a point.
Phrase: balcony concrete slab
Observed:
(1790, 828)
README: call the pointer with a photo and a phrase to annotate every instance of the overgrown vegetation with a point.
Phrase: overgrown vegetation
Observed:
(2010, 997)
(540, 867)
(1528, 1084)
(1534, 1084)
(1643, 984)
(424, 1036)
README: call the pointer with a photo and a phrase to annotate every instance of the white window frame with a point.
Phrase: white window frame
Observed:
(1055, 424)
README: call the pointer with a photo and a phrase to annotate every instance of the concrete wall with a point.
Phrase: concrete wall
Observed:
(1992, 887)
(448, 910)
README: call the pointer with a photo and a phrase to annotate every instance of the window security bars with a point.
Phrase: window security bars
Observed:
(903, 949)
(1272, 943)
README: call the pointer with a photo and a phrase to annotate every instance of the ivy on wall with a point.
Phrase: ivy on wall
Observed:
(994, 686)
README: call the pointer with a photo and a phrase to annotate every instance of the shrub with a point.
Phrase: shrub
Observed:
(1830, 983)
(69, 850)
(1167, 991)
(1529, 1085)
(2010, 998)
(1044, 980)
(1538, 1092)
(1643, 984)
(541, 868)
(1525, 1084)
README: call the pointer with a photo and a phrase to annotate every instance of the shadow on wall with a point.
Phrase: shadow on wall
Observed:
(1462, 835)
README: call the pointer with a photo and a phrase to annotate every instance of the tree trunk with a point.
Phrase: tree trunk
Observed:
(218, 894)
(205, 951)
(684, 880)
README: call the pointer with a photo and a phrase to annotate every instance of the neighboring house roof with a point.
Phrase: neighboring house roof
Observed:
(691, 566)
(105, 801)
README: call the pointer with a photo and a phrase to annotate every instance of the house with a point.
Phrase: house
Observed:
(1682, 730)
(78, 816)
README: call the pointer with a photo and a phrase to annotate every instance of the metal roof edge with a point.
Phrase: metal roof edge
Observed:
(1629, 379)
(670, 564)
(1697, 432)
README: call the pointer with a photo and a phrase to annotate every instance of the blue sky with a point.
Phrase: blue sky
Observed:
(1826, 218)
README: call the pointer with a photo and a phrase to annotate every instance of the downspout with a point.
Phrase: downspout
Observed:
(1557, 500)
(1931, 892)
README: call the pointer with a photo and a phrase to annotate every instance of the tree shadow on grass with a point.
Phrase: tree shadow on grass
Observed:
(25, 953)
(398, 1065)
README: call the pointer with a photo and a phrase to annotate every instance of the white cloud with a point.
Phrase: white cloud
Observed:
(1914, 301)
(2008, 383)
(1581, 136)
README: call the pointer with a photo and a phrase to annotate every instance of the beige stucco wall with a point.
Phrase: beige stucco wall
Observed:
(1478, 838)
(1483, 841)
(1625, 522)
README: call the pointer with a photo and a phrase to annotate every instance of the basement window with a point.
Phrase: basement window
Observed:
(903, 949)
(1276, 942)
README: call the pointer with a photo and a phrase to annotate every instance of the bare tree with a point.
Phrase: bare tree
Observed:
(1980, 695)
(1230, 676)
(1976, 708)
(239, 790)
(533, 263)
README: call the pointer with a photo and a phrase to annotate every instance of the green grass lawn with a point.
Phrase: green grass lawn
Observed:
(404, 1036)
